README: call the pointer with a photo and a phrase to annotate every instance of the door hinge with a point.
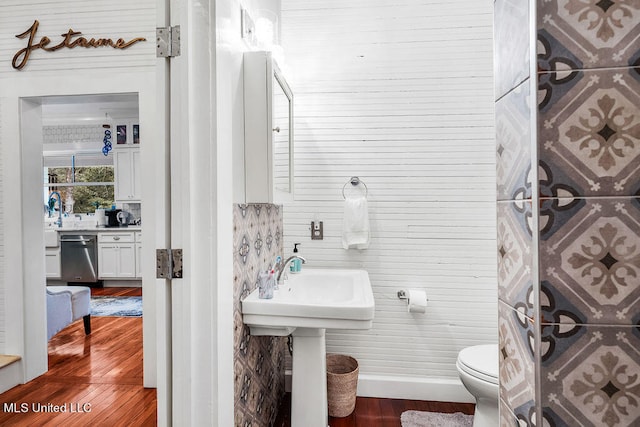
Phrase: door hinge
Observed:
(168, 41)
(168, 263)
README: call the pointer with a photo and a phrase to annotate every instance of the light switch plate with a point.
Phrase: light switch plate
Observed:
(317, 231)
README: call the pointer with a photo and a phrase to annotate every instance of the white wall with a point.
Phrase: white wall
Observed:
(3, 301)
(97, 18)
(400, 94)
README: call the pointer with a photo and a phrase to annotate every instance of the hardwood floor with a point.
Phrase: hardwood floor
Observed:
(96, 378)
(120, 292)
(373, 412)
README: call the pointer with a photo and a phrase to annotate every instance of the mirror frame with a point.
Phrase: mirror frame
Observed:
(279, 77)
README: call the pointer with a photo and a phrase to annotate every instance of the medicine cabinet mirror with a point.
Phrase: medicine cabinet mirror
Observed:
(268, 154)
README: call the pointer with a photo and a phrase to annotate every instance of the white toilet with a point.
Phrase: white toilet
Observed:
(478, 370)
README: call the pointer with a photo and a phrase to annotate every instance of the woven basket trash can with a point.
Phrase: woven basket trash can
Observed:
(342, 384)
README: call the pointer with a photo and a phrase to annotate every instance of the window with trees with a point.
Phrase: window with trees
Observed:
(83, 189)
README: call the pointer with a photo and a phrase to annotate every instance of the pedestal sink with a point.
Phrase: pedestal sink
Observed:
(305, 306)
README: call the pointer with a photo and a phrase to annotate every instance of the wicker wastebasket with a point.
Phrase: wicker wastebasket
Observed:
(342, 384)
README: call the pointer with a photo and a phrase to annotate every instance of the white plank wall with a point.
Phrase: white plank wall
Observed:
(96, 18)
(3, 289)
(399, 93)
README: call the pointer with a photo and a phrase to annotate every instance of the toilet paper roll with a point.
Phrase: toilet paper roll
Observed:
(416, 301)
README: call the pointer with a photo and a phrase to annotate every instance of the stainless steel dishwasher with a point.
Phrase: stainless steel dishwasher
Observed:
(79, 258)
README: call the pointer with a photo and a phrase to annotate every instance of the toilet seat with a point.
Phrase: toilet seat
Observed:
(481, 362)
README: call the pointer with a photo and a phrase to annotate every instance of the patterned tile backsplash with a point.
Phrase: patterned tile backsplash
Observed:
(588, 34)
(515, 262)
(591, 265)
(593, 381)
(511, 31)
(589, 132)
(513, 144)
(584, 292)
(517, 365)
(258, 361)
(72, 133)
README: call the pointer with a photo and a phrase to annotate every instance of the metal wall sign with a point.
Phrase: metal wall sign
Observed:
(70, 40)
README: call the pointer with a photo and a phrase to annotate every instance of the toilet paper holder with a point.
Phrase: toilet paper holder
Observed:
(416, 300)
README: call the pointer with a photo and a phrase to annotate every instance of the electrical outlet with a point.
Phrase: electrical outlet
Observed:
(317, 232)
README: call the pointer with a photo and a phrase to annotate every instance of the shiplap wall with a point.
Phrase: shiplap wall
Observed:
(3, 307)
(96, 18)
(400, 94)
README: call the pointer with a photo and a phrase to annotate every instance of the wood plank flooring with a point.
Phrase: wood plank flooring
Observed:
(99, 378)
(96, 378)
(373, 412)
(120, 292)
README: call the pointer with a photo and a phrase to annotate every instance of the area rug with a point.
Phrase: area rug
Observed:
(116, 306)
(435, 419)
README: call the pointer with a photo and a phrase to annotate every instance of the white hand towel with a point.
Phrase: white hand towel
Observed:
(355, 224)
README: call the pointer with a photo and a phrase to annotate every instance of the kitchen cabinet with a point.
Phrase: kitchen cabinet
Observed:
(268, 133)
(52, 263)
(52, 254)
(116, 255)
(138, 238)
(126, 162)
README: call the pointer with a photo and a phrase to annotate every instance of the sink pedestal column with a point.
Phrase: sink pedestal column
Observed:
(309, 379)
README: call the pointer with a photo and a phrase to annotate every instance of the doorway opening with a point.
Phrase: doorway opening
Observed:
(90, 196)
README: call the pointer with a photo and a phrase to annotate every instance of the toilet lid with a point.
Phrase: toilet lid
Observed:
(481, 361)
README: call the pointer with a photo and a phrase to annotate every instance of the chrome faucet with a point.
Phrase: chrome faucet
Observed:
(286, 263)
(51, 196)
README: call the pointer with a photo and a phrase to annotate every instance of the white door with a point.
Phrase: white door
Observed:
(195, 354)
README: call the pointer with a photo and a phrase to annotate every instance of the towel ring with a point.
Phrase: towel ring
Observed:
(355, 181)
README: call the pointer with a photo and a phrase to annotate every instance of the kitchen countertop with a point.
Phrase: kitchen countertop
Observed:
(87, 228)
(52, 240)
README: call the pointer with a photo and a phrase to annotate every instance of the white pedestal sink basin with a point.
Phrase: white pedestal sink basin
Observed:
(305, 306)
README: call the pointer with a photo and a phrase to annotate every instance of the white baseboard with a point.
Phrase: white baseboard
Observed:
(10, 376)
(394, 387)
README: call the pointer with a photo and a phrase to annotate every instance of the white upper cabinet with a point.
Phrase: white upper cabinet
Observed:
(126, 163)
(268, 132)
